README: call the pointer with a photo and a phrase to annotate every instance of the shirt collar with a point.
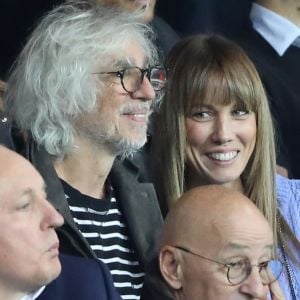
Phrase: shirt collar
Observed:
(34, 295)
(278, 31)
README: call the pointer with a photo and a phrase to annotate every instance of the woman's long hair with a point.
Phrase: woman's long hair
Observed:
(214, 70)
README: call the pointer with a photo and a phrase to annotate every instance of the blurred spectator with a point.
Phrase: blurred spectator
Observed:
(272, 41)
(166, 37)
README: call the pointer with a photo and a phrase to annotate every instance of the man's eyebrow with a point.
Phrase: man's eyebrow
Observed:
(31, 192)
(270, 246)
(237, 246)
(28, 191)
(124, 63)
(128, 62)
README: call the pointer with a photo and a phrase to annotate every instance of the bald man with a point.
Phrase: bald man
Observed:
(216, 244)
(28, 241)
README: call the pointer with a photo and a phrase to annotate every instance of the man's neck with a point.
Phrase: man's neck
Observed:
(86, 168)
(286, 8)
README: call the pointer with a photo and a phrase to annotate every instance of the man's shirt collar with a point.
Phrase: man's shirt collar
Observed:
(278, 31)
(34, 295)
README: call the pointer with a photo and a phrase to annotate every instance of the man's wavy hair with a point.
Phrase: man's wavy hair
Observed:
(50, 84)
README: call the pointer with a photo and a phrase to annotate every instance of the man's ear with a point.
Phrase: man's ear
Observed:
(170, 267)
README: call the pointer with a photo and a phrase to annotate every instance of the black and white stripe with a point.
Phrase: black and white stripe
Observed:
(102, 224)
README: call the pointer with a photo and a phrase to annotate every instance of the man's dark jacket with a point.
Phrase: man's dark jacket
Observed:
(81, 279)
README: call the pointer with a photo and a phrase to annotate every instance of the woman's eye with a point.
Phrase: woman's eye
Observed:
(201, 114)
(240, 112)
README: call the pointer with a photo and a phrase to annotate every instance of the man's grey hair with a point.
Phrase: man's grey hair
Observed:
(50, 84)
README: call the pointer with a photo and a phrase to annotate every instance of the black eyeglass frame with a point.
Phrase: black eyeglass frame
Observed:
(228, 266)
(146, 71)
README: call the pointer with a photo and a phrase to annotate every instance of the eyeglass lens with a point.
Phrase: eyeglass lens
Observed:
(133, 78)
(269, 271)
(158, 78)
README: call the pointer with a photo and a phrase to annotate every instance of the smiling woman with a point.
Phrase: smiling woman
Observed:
(213, 116)
(214, 127)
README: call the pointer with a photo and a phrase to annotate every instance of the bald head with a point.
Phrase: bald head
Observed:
(206, 209)
(221, 225)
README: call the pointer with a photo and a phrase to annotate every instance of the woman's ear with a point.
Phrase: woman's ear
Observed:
(170, 267)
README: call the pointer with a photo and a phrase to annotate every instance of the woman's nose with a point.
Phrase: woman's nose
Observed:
(223, 132)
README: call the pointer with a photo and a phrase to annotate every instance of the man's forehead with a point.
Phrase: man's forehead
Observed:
(15, 166)
(252, 251)
(8, 159)
(13, 188)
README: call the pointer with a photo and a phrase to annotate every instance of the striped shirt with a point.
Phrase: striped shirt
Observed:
(101, 222)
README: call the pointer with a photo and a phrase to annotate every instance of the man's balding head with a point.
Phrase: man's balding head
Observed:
(28, 242)
(205, 209)
(219, 224)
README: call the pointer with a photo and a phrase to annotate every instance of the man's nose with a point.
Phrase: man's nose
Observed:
(51, 217)
(253, 286)
(146, 91)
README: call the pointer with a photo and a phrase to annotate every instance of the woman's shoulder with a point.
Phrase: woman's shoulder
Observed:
(287, 188)
(288, 201)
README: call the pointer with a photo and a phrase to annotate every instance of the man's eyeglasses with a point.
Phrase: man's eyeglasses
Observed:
(132, 77)
(239, 271)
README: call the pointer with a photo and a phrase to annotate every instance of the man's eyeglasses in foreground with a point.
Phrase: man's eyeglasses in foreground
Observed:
(238, 272)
